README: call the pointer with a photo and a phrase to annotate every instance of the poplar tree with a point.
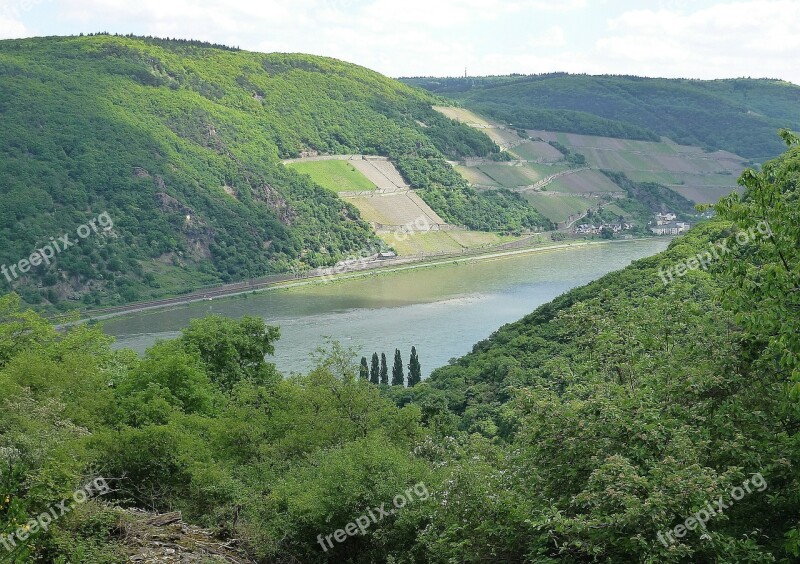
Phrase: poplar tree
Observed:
(414, 369)
(375, 371)
(398, 377)
(364, 370)
(384, 370)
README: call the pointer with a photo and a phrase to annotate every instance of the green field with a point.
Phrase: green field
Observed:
(615, 209)
(336, 175)
(665, 178)
(509, 176)
(537, 151)
(474, 176)
(522, 175)
(441, 241)
(558, 207)
(583, 182)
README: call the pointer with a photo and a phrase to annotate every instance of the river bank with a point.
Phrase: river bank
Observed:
(369, 269)
(443, 309)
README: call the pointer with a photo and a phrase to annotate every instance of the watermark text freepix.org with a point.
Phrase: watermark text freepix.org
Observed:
(376, 514)
(48, 252)
(699, 519)
(718, 250)
(96, 487)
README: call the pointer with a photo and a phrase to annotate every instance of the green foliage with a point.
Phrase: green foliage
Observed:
(231, 350)
(576, 159)
(374, 370)
(384, 370)
(19, 329)
(766, 296)
(644, 199)
(738, 115)
(180, 143)
(578, 434)
(168, 376)
(414, 369)
(364, 369)
(398, 376)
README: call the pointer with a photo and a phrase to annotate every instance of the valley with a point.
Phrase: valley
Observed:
(398, 308)
(281, 308)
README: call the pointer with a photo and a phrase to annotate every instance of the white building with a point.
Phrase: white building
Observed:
(672, 228)
(664, 218)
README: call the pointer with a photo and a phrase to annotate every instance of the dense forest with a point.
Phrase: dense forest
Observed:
(180, 142)
(737, 115)
(636, 419)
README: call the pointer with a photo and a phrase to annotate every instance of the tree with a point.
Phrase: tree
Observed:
(765, 258)
(398, 378)
(414, 369)
(384, 370)
(233, 350)
(375, 371)
(364, 370)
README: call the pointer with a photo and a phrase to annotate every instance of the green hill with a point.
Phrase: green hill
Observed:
(180, 144)
(737, 115)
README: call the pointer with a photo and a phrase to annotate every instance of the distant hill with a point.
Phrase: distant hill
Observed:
(578, 179)
(737, 115)
(180, 142)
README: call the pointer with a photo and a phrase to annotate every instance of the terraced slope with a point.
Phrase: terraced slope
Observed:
(400, 218)
(574, 180)
(698, 175)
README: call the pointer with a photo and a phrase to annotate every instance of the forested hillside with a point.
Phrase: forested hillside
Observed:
(180, 144)
(737, 115)
(651, 416)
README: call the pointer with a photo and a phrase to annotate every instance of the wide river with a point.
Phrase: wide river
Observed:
(442, 310)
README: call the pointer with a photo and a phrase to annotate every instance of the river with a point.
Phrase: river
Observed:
(442, 310)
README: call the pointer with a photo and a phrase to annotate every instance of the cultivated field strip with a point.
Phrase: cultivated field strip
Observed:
(380, 172)
(394, 212)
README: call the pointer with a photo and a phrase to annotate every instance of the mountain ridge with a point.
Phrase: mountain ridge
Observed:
(180, 142)
(738, 115)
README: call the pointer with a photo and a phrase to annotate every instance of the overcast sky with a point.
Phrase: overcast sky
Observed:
(669, 38)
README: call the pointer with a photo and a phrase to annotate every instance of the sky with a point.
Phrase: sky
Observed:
(666, 38)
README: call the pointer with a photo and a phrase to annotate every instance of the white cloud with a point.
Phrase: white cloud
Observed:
(11, 28)
(551, 37)
(12, 14)
(729, 39)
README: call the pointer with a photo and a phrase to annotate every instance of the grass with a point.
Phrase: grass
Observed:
(558, 207)
(441, 241)
(472, 239)
(475, 176)
(615, 209)
(665, 178)
(537, 150)
(510, 176)
(335, 175)
(463, 115)
(582, 182)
